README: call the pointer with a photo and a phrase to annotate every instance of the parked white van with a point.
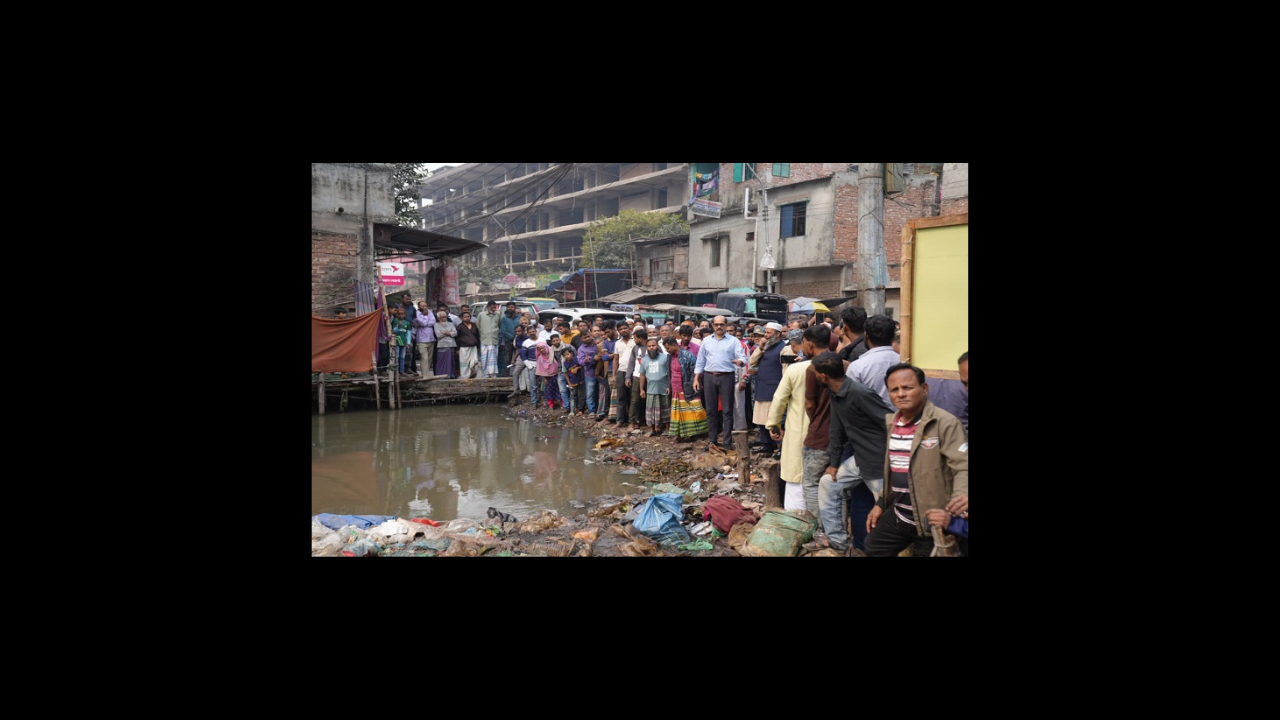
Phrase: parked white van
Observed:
(575, 314)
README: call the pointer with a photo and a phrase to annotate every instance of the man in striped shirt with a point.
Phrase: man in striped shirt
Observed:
(927, 465)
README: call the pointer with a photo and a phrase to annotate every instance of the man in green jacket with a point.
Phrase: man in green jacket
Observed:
(490, 325)
(926, 466)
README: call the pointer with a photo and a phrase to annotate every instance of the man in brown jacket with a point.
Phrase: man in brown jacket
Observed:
(926, 466)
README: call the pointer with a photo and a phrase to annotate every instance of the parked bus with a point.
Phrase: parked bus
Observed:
(696, 313)
(763, 305)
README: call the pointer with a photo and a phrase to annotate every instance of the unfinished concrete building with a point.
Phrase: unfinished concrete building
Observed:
(535, 214)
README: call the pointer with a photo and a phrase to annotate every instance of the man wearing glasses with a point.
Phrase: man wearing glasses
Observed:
(717, 359)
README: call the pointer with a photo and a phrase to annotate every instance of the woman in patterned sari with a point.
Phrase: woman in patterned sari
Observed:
(688, 418)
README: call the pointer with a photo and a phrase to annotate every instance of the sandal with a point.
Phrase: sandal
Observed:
(818, 543)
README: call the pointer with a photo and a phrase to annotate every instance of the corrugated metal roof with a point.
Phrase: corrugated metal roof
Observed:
(636, 293)
(421, 242)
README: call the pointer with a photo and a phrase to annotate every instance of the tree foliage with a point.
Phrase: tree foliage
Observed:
(482, 274)
(487, 275)
(406, 179)
(607, 243)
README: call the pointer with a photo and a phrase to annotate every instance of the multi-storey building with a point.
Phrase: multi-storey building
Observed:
(531, 214)
(798, 233)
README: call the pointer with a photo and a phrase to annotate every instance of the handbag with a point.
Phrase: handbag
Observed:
(599, 361)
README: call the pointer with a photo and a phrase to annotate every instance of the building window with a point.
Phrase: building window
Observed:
(662, 198)
(744, 171)
(793, 219)
(782, 169)
(715, 252)
(751, 237)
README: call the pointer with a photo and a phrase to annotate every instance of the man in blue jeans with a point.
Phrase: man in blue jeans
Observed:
(857, 414)
(587, 351)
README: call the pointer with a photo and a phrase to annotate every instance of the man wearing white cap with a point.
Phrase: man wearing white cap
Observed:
(766, 365)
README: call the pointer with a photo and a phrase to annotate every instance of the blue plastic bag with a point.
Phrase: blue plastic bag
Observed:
(660, 519)
(364, 522)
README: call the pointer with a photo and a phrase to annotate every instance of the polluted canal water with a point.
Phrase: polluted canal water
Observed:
(453, 461)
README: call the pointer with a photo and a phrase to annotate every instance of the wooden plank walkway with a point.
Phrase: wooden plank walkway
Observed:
(416, 390)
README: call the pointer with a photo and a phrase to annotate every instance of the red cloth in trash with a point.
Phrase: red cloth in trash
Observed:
(344, 345)
(724, 512)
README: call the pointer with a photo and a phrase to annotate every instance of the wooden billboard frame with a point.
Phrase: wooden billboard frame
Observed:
(908, 284)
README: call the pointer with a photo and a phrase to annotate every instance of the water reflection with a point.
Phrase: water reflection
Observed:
(451, 461)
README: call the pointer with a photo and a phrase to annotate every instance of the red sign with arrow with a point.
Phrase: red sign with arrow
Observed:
(392, 273)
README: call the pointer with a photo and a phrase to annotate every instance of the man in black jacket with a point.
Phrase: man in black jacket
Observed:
(855, 325)
(858, 415)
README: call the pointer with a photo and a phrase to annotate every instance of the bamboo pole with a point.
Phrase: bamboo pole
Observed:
(386, 318)
(773, 484)
(322, 392)
(377, 397)
(908, 287)
(742, 444)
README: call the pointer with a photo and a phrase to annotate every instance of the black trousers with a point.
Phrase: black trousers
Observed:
(719, 388)
(504, 356)
(891, 536)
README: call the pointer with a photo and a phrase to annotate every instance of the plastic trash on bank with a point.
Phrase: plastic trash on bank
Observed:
(660, 519)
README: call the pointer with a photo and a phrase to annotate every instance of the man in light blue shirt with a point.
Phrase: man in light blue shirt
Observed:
(717, 359)
(870, 367)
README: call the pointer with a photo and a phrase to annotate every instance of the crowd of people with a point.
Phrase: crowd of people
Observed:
(864, 444)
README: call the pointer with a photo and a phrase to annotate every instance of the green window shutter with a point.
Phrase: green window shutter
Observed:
(737, 172)
(782, 169)
(893, 178)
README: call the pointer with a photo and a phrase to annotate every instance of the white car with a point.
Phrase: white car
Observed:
(575, 314)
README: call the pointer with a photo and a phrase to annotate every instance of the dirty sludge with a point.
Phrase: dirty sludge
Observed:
(665, 515)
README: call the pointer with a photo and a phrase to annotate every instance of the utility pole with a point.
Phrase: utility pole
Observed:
(364, 255)
(872, 275)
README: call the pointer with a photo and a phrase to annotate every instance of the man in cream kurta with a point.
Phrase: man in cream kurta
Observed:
(789, 397)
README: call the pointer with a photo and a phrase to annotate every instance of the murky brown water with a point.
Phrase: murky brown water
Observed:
(448, 461)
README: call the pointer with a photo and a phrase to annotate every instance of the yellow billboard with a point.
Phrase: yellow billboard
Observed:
(936, 286)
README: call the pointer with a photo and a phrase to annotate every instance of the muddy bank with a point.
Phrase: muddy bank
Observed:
(603, 527)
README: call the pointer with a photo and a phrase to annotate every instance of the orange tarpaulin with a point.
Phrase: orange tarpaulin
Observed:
(344, 345)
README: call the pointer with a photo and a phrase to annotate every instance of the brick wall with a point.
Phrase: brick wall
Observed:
(898, 211)
(333, 265)
(845, 231)
(957, 206)
(730, 192)
(800, 172)
(908, 207)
